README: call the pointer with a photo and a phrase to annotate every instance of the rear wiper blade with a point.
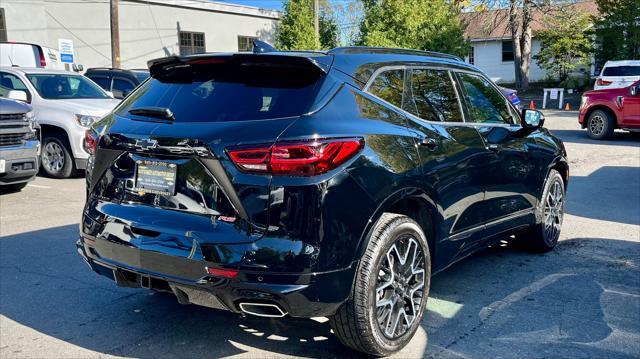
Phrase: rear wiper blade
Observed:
(157, 112)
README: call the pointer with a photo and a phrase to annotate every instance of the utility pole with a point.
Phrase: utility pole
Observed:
(115, 34)
(316, 21)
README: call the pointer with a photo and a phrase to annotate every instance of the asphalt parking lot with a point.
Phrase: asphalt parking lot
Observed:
(580, 301)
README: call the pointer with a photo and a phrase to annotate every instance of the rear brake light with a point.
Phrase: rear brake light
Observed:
(602, 82)
(225, 273)
(90, 141)
(43, 61)
(307, 158)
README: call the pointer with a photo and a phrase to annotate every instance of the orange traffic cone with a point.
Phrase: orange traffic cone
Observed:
(567, 107)
(532, 105)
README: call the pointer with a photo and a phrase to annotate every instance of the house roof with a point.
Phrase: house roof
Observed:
(494, 24)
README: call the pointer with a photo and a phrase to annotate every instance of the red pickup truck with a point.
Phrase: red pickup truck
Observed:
(602, 111)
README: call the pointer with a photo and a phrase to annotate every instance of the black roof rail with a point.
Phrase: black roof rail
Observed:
(390, 51)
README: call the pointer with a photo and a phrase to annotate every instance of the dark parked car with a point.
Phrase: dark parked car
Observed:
(315, 184)
(119, 81)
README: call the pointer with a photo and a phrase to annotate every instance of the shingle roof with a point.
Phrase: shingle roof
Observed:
(494, 24)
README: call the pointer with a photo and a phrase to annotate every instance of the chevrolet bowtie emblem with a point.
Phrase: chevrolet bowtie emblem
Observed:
(146, 144)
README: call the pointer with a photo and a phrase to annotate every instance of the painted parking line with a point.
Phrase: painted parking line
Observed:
(38, 186)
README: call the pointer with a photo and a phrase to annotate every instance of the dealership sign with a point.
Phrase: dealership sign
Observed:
(66, 50)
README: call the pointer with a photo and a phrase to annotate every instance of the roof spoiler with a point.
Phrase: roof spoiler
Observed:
(163, 66)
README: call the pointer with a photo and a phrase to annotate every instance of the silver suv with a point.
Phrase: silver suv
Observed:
(65, 105)
(19, 145)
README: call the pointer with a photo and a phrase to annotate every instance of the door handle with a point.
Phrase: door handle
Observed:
(429, 143)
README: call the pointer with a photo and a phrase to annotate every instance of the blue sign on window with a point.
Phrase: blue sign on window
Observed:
(66, 58)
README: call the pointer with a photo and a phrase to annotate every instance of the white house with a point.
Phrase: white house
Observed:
(491, 45)
(148, 28)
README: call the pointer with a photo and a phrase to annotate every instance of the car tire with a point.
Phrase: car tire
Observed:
(600, 125)
(543, 236)
(363, 322)
(56, 159)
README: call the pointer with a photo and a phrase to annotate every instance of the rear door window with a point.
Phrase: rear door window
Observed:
(433, 96)
(216, 93)
(122, 87)
(102, 81)
(389, 86)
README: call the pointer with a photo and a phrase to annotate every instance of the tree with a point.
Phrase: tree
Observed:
(564, 43)
(296, 30)
(617, 30)
(432, 25)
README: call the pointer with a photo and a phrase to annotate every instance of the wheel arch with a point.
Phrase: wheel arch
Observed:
(48, 128)
(414, 203)
(601, 107)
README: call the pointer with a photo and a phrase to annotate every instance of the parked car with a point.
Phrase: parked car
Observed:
(603, 111)
(24, 54)
(119, 81)
(618, 74)
(65, 105)
(315, 184)
(19, 143)
(512, 95)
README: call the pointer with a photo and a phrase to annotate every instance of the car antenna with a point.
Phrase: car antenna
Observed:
(260, 46)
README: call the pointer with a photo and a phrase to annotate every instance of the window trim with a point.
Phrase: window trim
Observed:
(452, 73)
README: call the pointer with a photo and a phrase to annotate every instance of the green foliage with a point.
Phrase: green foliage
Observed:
(564, 44)
(617, 30)
(296, 30)
(433, 25)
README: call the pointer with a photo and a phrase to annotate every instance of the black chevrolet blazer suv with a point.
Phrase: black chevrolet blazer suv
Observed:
(310, 184)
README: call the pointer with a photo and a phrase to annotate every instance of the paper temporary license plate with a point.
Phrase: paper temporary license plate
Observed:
(3, 164)
(155, 177)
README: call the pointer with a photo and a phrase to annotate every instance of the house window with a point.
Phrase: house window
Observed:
(507, 51)
(245, 43)
(472, 57)
(3, 26)
(191, 42)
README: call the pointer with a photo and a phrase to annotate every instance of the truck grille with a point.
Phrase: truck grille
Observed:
(13, 129)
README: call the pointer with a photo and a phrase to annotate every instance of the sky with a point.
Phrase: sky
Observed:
(266, 4)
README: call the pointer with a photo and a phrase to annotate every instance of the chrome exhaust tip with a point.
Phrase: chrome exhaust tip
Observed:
(262, 310)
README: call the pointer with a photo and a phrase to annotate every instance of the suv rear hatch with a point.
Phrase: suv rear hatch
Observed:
(162, 180)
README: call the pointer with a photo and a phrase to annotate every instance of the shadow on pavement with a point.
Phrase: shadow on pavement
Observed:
(610, 193)
(501, 302)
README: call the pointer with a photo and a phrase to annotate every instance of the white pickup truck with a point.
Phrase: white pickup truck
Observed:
(65, 104)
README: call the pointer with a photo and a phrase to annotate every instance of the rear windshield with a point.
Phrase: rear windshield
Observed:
(621, 71)
(215, 93)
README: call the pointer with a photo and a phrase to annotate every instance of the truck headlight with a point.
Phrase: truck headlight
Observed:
(86, 120)
(31, 118)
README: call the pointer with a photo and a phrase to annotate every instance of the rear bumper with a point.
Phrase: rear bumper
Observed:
(297, 294)
(21, 162)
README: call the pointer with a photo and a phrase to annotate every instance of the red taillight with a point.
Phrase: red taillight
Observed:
(43, 61)
(90, 141)
(225, 273)
(602, 82)
(307, 158)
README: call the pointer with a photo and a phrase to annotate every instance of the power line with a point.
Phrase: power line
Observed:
(76, 36)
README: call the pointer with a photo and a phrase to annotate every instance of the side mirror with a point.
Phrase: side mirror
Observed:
(634, 90)
(78, 68)
(18, 95)
(532, 119)
(110, 94)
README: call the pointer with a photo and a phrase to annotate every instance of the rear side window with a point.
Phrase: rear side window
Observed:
(389, 86)
(122, 87)
(216, 93)
(485, 103)
(621, 71)
(433, 96)
(103, 82)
